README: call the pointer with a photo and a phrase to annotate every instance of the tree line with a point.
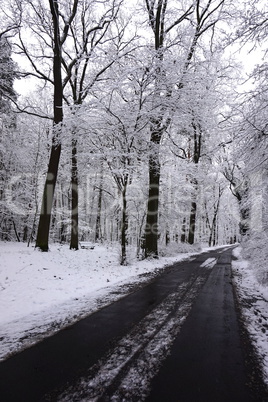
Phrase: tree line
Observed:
(137, 129)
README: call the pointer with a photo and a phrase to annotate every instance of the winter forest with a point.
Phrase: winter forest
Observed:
(141, 123)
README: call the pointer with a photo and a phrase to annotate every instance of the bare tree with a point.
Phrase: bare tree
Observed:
(88, 37)
(58, 40)
(79, 35)
(119, 128)
(203, 17)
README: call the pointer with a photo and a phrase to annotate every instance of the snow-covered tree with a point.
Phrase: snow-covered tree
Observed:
(168, 24)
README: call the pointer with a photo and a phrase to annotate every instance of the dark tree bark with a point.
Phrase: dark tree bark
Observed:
(15, 230)
(98, 234)
(151, 228)
(213, 227)
(74, 204)
(167, 237)
(122, 182)
(124, 226)
(25, 233)
(157, 22)
(197, 129)
(192, 223)
(53, 165)
(241, 193)
(183, 231)
(244, 221)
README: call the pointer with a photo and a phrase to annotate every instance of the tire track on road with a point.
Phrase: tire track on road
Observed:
(126, 372)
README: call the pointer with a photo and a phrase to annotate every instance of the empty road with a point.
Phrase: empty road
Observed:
(176, 339)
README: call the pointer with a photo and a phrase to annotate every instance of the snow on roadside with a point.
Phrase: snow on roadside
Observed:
(254, 298)
(41, 293)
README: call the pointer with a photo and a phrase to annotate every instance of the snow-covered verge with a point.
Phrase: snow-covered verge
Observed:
(253, 295)
(255, 250)
(40, 293)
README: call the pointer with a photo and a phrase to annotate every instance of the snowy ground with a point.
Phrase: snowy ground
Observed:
(254, 301)
(41, 293)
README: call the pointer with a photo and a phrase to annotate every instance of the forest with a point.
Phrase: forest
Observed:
(141, 123)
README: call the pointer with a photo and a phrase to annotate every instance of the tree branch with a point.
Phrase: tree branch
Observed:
(179, 20)
(24, 110)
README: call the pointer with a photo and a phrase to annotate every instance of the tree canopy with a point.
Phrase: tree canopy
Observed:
(147, 116)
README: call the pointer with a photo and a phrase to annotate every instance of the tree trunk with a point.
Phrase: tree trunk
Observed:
(98, 218)
(151, 228)
(25, 233)
(74, 204)
(183, 231)
(99, 206)
(63, 233)
(124, 227)
(157, 22)
(196, 157)
(215, 233)
(47, 201)
(15, 230)
(213, 229)
(53, 165)
(244, 221)
(167, 237)
(192, 223)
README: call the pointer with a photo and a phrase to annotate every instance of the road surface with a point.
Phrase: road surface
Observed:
(177, 339)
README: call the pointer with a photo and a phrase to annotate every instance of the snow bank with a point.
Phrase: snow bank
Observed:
(42, 292)
(255, 250)
(254, 299)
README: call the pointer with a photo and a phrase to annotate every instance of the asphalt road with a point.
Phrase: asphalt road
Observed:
(179, 338)
(207, 359)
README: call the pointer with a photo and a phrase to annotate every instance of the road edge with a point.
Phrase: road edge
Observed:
(253, 360)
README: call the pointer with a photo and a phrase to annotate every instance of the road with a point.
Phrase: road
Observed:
(179, 338)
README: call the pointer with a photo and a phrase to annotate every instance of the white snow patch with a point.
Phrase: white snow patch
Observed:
(209, 263)
(41, 293)
(254, 297)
